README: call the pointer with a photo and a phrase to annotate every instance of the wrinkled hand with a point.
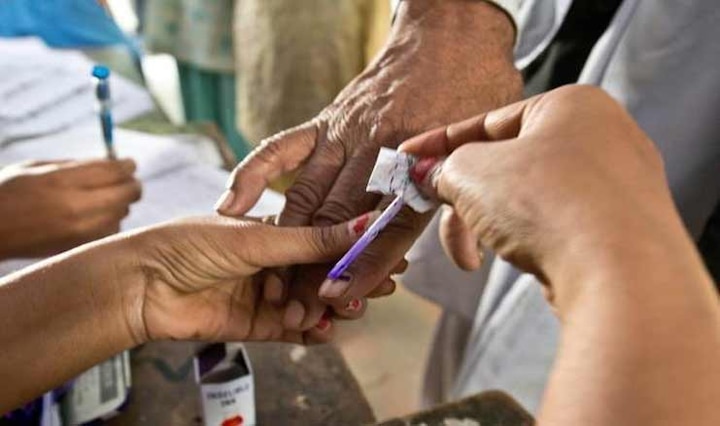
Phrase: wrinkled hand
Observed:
(444, 61)
(202, 278)
(571, 175)
(49, 207)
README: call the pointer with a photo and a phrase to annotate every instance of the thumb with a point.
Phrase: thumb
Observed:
(285, 246)
(276, 156)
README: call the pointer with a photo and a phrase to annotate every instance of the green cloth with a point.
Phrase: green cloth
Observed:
(210, 96)
(198, 33)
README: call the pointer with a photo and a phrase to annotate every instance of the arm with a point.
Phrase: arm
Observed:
(641, 334)
(443, 61)
(576, 194)
(188, 280)
(64, 316)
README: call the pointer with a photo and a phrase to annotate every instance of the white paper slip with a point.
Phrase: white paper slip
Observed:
(391, 176)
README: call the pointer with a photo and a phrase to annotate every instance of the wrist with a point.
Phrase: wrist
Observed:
(470, 23)
(127, 281)
(619, 261)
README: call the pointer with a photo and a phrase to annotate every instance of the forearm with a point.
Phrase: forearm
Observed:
(470, 24)
(62, 316)
(640, 340)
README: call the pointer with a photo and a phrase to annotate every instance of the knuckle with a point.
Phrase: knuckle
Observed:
(58, 178)
(333, 212)
(465, 160)
(376, 262)
(585, 94)
(137, 192)
(384, 131)
(322, 238)
(303, 196)
(125, 212)
(116, 174)
(269, 150)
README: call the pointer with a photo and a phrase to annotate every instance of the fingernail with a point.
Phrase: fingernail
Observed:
(359, 225)
(274, 289)
(354, 305)
(425, 172)
(225, 200)
(324, 324)
(333, 289)
(325, 321)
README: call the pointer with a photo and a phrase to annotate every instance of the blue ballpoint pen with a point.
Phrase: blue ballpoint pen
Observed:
(101, 75)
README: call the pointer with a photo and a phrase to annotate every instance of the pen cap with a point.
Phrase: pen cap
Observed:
(102, 88)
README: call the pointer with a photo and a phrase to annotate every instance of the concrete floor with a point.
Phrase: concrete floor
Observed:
(386, 351)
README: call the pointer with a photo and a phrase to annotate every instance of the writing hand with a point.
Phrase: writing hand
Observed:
(49, 207)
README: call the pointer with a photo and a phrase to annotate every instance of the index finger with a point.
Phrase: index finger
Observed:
(282, 246)
(503, 123)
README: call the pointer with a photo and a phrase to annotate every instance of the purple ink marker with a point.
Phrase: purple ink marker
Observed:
(368, 237)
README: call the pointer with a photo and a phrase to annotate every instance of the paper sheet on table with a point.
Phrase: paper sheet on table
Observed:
(154, 155)
(45, 90)
(190, 191)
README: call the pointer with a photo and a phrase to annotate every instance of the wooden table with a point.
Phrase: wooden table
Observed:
(485, 409)
(313, 386)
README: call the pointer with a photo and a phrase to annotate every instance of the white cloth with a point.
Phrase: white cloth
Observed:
(659, 59)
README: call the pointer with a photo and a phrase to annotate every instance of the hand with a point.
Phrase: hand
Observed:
(201, 278)
(182, 280)
(573, 177)
(49, 207)
(566, 186)
(443, 61)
